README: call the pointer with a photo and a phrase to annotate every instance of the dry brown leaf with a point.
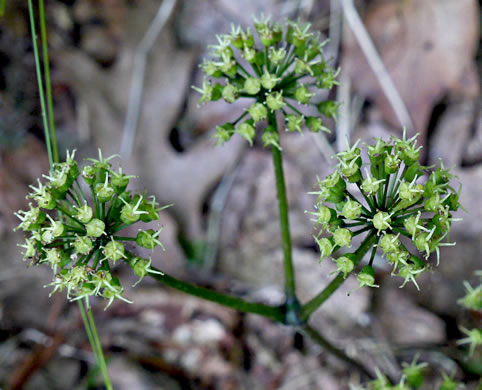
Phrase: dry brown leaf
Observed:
(427, 46)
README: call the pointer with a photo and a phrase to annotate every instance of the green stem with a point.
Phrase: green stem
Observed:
(48, 84)
(40, 83)
(99, 354)
(120, 238)
(369, 201)
(272, 312)
(2, 7)
(320, 339)
(290, 284)
(308, 308)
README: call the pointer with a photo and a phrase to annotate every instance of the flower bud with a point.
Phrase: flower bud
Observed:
(392, 163)
(275, 101)
(381, 221)
(224, 133)
(88, 173)
(303, 94)
(294, 123)
(326, 247)
(104, 191)
(230, 93)
(366, 277)
(148, 239)
(247, 131)
(328, 108)
(258, 112)
(276, 56)
(344, 265)
(114, 250)
(252, 86)
(351, 209)
(83, 245)
(271, 138)
(316, 124)
(389, 243)
(342, 237)
(268, 80)
(95, 228)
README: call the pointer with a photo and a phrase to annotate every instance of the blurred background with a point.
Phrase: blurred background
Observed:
(119, 88)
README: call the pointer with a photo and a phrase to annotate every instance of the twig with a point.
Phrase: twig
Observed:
(376, 64)
(137, 84)
(214, 220)
(343, 124)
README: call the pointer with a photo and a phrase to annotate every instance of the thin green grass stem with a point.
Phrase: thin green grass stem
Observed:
(40, 83)
(48, 83)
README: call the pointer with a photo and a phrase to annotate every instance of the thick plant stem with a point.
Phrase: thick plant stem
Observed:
(275, 313)
(308, 308)
(290, 284)
(318, 338)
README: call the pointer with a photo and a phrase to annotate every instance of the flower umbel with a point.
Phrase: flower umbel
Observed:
(282, 74)
(397, 206)
(83, 244)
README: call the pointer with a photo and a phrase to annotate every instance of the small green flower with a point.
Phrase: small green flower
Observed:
(303, 94)
(148, 239)
(258, 112)
(269, 80)
(474, 339)
(95, 228)
(351, 209)
(414, 372)
(473, 297)
(326, 247)
(247, 130)
(381, 221)
(345, 265)
(84, 213)
(342, 237)
(114, 250)
(366, 277)
(252, 85)
(275, 101)
(294, 122)
(83, 245)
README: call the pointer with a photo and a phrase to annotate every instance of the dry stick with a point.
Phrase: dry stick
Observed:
(376, 63)
(137, 85)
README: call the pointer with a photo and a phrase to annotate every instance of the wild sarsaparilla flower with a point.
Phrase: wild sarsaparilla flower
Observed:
(279, 67)
(75, 227)
(402, 203)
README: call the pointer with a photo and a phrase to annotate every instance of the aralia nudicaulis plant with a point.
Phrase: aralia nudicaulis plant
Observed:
(401, 203)
(75, 226)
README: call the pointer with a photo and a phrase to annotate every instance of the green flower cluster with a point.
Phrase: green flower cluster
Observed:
(472, 300)
(398, 205)
(413, 375)
(76, 233)
(278, 73)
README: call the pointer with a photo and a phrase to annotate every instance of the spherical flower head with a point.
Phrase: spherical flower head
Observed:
(351, 209)
(325, 245)
(83, 245)
(269, 80)
(381, 221)
(345, 265)
(252, 85)
(303, 94)
(294, 122)
(84, 213)
(95, 228)
(275, 101)
(114, 250)
(342, 237)
(258, 112)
